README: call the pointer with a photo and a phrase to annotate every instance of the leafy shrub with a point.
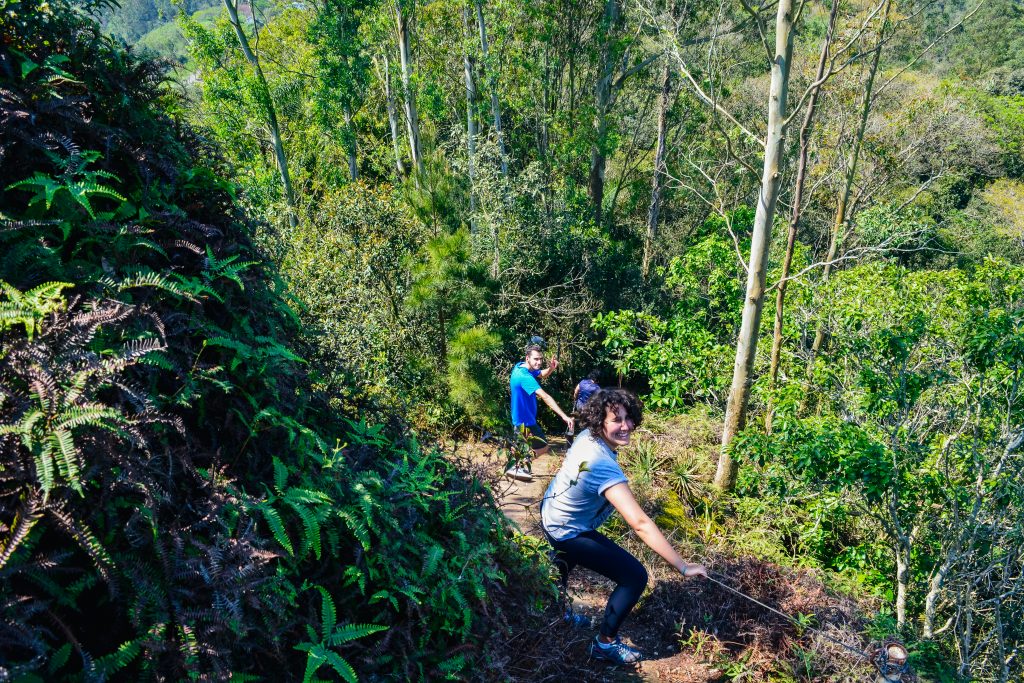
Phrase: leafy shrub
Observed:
(686, 355)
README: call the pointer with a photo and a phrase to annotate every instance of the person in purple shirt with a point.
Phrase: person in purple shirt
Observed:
(525, 386)
(587, 387)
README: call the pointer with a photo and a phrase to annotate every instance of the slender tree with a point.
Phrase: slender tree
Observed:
(269, 110)
(658, 177)
(798, 202)
(493, 85)
(753, 303)
(403, 22)
(612, 73)
(471, 128)
(842, 214)
(389, 101)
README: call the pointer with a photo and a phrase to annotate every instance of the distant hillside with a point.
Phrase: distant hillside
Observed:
(133, 19)
(166, 39)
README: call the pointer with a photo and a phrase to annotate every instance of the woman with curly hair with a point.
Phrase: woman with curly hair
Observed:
(589, 486)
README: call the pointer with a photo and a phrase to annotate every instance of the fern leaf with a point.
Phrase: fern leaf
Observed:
(343, 634)
(310, 527)
(280, 474)
(342, 667)
(314, 660)
(44, 467)
(81, 416)
(119, 658)
(307, 496)
(277, 527)
(357, 527)
(430, 562)
(328, 615)
(67, 461)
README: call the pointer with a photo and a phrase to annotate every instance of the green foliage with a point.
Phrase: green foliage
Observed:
(331, 635)
(683, 355)
(450, 290)
(161, 418)
(914, 423)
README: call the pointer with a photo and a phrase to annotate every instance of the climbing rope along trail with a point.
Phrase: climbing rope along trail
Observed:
(880, 659)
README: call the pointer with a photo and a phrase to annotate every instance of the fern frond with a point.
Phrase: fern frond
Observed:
(328, 615)
(68, 458)
(431, 560)
(280, 474)
(276, 527)
(120, 658)
(343, 634)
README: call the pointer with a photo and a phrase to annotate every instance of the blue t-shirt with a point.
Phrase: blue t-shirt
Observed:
(524, 386)
(587, 388)
(574, 502)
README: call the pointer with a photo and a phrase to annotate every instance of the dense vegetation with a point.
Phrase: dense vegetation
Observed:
(168, 471)
(218, 282)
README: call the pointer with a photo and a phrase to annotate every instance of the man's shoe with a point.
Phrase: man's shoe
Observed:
(519, 474)
(615, 651)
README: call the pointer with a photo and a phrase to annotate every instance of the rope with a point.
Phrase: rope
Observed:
(793, 620)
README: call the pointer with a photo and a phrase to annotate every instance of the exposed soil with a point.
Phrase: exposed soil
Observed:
(688, 629)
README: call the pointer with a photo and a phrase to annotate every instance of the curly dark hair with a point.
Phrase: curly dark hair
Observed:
(593, 413)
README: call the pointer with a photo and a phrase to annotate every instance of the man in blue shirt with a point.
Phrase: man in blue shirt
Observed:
(525, 392)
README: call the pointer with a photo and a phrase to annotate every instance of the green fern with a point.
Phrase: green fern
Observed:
(319, 654)
(29, 308)
(46, 189)
(226, 268)
(119, 659)
(276, 525)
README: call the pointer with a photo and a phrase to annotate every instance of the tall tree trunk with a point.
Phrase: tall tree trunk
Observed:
(794, 220)
(657, 180)
(471, 131)
(492, 81)
(771, 178)
(412, 118)
(602, 103)
(902, 582)
(353, 162)
(841, 216)
(268, 109)
(389, 99)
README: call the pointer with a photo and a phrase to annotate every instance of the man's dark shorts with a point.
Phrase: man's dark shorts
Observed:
(534, 436)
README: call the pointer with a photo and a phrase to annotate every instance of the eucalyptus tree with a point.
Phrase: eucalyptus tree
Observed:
(343, 65)
(491, 70)
(267, 104)
(797, 203)
(404, 14)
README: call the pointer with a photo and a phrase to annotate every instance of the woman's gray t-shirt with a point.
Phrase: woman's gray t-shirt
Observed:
(574, 502)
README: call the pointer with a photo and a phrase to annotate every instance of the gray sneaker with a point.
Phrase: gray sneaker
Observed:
(519, 473)
(615, 651)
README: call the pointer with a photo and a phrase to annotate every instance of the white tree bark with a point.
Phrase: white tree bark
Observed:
(270, 112)
(493, 83)
(471, 129)
(753, 303)
(389, 99)
(412, 118)
(658, 178)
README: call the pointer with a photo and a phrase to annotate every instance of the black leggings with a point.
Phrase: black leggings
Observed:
(599, 553)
